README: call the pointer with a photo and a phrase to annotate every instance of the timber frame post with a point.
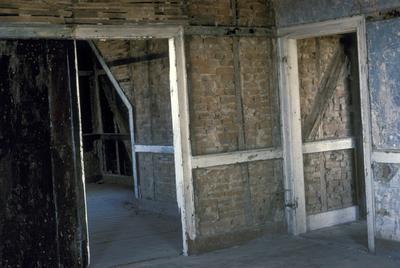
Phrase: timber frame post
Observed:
(178, 91)
(291, 128)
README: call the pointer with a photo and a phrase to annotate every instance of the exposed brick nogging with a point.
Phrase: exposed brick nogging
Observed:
(215, 120)
(226, 202)
(251, 13)
(233, 97)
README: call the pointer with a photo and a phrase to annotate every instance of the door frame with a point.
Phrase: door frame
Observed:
(291, 118)
(178, 90)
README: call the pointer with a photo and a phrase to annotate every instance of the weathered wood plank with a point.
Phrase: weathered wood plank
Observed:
(212, 160)
(329, 145)
(291, 135)
(386, 157)
(25, 156)
(94, 12)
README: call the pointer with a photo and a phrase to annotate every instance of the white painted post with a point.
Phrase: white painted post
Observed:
(182, 146)
(366, 131)
(291, 135)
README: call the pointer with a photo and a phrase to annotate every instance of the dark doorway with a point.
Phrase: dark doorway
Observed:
(122, 228)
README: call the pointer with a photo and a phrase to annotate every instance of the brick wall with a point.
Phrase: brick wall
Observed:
(214, 122)
(209, 12)
(226, 201)
(233, 100)
(259, 93)
(329, 181)
(253, 13)
(250, 13)
(217, 116)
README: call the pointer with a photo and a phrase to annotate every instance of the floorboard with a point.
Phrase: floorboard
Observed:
(341, 246)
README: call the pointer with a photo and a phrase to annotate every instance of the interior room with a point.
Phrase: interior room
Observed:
(125, 228)
(330, 112)
(187, 133)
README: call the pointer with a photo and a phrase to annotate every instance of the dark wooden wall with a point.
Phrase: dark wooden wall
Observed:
(92, 11)
(39, 156)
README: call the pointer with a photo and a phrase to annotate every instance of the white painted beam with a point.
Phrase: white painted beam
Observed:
(332, 218)
(133, 31)
(330, 27)
(87, 32)
(386, 157)
(32, 31)
(329, 145)
(182, 144)
(212, 160)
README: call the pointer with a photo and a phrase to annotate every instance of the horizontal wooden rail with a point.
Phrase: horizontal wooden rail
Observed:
(329, 145)
(156, 149)
(87, 32)
(386, 157)
(212, 160)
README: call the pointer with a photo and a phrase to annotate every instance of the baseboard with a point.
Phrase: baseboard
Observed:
(331, 218)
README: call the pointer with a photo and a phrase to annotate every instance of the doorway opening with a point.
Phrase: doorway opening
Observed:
(132, 207)
(326, 131)
(331, 132)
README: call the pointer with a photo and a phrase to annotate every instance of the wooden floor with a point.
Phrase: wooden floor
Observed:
(343, 246)
(120, 234)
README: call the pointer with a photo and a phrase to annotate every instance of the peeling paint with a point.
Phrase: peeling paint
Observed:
(385, 173)
(387, 200)
(384, 55)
